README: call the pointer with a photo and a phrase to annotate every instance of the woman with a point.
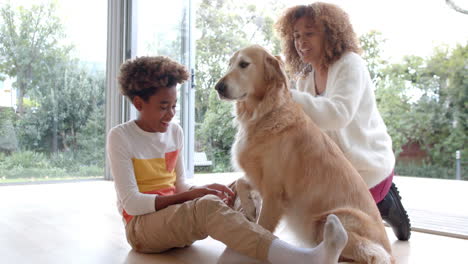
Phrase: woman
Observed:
(335, 90)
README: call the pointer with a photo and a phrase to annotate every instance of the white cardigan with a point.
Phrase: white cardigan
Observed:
(348, 113)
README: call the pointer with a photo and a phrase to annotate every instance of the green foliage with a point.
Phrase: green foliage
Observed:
(394, 106)
(31, 164)
(91, 139)
(225, 26)
(429, 110)
(67, 99)
(60, 121)
(425, 170)
(217, 133)
(27, 37)
(6, 116)
(25, 159)
(371, 45)
(64, 160)
(32, 173)
(76, 164)
(8, 139)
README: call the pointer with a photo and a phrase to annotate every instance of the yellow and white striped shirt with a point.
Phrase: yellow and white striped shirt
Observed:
(144, 165)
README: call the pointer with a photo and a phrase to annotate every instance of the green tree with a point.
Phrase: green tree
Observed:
(449, 68)
(90, 138)
(372, 53)
(423, 100)
(65, 97)
(433, 93)
(217, 132)
(225, 26)
(8, 140)
(27, 36)
(395, 95)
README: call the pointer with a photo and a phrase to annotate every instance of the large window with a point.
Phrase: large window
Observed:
(417, 53)
(52, 66)
(418, 64)
(157, 31)
(222, 27)
(165, 30)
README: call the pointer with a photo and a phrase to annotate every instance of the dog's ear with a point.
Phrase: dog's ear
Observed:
(233, 58)
(274, 72)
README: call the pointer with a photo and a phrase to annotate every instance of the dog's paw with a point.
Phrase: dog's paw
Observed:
(247, 200)
(249, 208)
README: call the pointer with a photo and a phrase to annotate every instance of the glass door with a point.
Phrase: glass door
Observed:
(52, 83)
(165, 30)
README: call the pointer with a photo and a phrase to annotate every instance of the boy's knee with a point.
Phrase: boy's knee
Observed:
(210, 202)
(211, 199)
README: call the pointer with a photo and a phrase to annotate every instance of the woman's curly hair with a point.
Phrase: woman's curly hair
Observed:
(339, 36)
(144, 76)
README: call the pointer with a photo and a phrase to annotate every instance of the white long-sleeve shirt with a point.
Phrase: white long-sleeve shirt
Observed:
(144, 165)
(347, 112)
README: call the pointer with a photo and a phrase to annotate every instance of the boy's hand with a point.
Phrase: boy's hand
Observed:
(222, 191)
(228, 194)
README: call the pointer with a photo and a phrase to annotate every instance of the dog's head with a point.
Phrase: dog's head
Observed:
(252, 72)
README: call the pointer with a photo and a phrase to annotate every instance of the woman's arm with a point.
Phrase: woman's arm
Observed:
(337, 109)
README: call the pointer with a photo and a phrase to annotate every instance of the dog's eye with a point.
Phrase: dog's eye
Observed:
(243, 64)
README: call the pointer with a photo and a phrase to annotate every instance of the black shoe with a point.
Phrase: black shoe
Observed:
(393, 212)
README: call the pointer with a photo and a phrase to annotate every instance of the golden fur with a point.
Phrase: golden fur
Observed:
(299, 171)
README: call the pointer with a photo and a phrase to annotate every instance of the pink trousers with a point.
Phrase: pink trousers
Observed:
(380, 190)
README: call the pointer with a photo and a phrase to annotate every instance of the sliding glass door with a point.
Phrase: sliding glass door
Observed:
(52, 83)
(157, 29)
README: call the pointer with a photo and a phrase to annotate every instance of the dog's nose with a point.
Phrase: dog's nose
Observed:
(221, 87)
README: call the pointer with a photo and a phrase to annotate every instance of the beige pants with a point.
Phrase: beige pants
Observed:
(182, 224)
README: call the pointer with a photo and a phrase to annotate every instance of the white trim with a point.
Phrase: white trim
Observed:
(130, 111)
(115, 55)
(189, 94)
(119, 48)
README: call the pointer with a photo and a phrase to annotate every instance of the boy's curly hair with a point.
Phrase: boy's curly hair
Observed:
(144, 76)
(339, 35)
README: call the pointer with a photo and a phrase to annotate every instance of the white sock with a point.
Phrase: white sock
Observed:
(327, 252)
(231, 256)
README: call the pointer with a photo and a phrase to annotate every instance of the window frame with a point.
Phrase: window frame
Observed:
(119, 49)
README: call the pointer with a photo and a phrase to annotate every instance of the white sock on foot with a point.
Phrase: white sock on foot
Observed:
(334, 240)
(327, 252)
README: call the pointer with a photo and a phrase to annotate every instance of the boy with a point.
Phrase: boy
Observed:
(159, 210)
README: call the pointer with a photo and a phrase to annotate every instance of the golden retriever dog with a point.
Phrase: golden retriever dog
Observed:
(300, 173)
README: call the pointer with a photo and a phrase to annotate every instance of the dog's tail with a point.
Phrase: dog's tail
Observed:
(366, 251)
(367, 239)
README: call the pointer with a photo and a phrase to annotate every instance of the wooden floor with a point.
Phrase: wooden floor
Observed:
(78, 223)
